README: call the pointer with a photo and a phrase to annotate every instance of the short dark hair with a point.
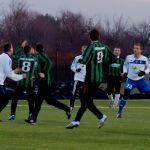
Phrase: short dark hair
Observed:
(39, 48)
(7, 47)
(27, 49)
(118, 47)
(138, 44)
(94, 35)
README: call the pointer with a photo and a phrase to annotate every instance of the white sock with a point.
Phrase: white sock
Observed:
(111, 97)
(117, 97)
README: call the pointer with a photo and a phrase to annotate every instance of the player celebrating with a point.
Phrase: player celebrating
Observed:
(79, 77)
(29, 65)
(44, 87)
(95, 57)
(6, 71)
(114, 79)
(135, 67)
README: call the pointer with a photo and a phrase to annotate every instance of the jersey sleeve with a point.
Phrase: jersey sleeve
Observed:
(74, 65)
(49, 64)
(36, 68)
(125, 66)
(10, 73)
(122, 65)
(147, 70)
(111, 57)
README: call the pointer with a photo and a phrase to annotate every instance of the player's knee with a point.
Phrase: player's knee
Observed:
(50, 101)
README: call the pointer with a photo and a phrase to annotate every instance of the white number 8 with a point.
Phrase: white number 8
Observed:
(99, 57)
(26, 66)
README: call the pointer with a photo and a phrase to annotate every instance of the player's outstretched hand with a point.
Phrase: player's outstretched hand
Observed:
(78, 70)
(24, 76)
(42, 75)
(17, 70)
(24, 43)
(32, 78)
(141, 73)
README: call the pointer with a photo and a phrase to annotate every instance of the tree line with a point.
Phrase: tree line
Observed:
(63, 35)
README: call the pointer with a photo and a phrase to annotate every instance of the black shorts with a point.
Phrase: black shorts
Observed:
(114, 84)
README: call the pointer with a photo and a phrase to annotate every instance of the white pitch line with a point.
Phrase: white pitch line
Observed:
(47, 106)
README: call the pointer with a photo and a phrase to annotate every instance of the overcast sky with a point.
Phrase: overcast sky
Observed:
(134, 10)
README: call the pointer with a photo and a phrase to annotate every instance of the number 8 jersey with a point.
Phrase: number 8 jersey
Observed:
(96, 57)
(29, 65)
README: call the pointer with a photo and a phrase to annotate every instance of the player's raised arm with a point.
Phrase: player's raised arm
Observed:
(19, 51)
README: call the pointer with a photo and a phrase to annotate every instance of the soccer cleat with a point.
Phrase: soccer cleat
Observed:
(101, 121)
(119, 116)
(11, 117)
(32, 122)
(68, 113)
(73, 124)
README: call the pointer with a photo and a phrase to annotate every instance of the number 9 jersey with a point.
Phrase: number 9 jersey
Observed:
(29, 65)
(97, 57)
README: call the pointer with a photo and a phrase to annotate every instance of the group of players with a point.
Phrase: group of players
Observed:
(33, 76)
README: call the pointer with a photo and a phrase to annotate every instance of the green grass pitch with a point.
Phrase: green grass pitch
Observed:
(132, 132)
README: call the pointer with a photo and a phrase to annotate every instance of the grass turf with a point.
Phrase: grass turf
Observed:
(132, 132)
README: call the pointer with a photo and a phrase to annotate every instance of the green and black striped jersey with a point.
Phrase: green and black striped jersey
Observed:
(17, 53)
(29, 65)
(96, 57)
(116, 68)
(46, 67)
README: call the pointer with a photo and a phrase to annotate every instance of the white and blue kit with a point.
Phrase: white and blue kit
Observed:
(133, 66)
(79, 77)
(6, 72)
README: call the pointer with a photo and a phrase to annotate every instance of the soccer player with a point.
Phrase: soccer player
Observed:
(79, 77)
(44, 87)
(135, 68)
(7, 72)
(95, 57)
(29, 65)
(114, 79)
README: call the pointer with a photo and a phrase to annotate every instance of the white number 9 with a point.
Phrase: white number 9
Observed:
(99, 57)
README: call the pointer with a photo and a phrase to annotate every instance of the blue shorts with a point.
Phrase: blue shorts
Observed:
(142, 85)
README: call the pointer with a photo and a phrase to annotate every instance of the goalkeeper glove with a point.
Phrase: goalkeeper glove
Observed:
(141, 73)
(78, 70)
(125, 75)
